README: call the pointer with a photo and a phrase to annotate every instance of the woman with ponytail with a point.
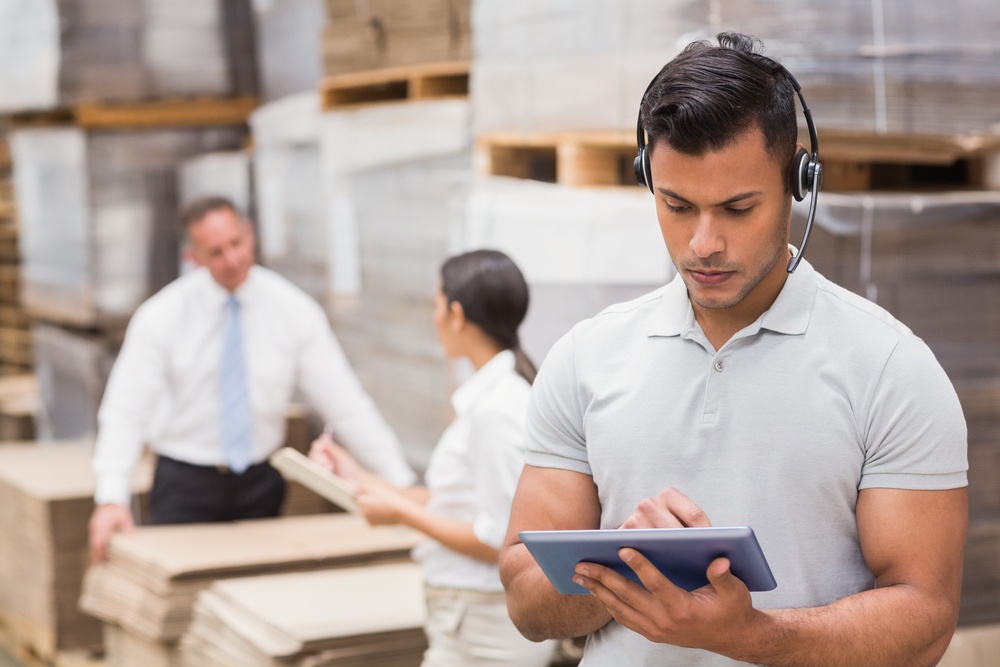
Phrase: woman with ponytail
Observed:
(472, 473)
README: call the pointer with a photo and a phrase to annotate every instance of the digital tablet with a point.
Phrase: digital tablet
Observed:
(295, 466)
(681, 554)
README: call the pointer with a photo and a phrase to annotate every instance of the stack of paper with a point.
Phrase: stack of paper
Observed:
(46, 497)
(151, 578)
(369, 615)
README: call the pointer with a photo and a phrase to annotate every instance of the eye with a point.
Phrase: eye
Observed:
(676, 209)
(739, 212)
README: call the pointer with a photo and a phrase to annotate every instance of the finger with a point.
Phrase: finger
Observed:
(655, 581)
(96, 551)
(651, 513)
(627, 601)
(683, 508)
(722, 579)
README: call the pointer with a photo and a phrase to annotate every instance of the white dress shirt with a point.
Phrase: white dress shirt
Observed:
(474, 470)
(163, 389)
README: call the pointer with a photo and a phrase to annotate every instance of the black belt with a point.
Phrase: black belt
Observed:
(221, 469)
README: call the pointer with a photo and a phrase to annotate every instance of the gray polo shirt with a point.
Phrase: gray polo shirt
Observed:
(823, 395)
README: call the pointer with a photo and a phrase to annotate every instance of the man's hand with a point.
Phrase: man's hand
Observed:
(661, 612)
(107, 520)
(710, 617)
(667, 509)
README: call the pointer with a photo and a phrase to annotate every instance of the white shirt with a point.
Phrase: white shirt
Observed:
(474, 470)
(163, 389)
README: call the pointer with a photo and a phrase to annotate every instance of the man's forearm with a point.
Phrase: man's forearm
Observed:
(896, 625)
(537, 609)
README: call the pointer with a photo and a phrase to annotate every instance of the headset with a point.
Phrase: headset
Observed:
(805, 174)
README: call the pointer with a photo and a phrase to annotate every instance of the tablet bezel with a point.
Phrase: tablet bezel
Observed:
(681, 554)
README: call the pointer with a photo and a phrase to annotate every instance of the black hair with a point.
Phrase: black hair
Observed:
(197, 209)
(494, 296)
(708, 96)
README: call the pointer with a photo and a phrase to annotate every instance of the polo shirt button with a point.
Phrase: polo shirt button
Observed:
(719, 366)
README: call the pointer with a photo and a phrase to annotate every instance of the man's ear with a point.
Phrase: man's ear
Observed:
(189, 255)
(457, 320)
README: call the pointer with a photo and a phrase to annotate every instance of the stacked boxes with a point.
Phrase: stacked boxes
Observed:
(375, 34)
(127, 50)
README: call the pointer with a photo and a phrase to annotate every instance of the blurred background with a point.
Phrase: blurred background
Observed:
(370, 139)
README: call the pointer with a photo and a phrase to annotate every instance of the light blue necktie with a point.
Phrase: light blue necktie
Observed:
(234, 400)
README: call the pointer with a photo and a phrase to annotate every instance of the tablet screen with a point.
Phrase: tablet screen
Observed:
(681, 554)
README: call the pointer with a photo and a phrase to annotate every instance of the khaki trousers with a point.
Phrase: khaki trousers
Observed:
(472, 629)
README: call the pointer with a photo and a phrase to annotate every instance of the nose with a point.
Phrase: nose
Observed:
(707, 238)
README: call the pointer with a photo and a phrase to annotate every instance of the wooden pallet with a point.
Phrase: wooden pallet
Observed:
(10, 284)
(16, 346)
(577, 159)
(866, 161)
(417, 82)
(173, 112)
(9, 250)
(851, 160)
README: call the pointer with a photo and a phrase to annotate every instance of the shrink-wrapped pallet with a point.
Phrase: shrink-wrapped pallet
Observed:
(62, 52)
(98, 217)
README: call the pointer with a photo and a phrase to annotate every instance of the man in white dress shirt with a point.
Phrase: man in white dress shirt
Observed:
(168, 387)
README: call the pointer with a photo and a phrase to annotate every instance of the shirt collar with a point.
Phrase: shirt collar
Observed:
(473, 389)
(219, 295)
(789, 314)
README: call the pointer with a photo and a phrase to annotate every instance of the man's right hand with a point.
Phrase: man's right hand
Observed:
(668, 509)
(104, 522)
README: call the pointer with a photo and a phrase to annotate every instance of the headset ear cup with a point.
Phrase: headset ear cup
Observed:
(799, 175)
(640, 172)
(641, 167)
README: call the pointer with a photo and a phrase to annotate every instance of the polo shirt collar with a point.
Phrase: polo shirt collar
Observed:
(789, 314)
(472, 390)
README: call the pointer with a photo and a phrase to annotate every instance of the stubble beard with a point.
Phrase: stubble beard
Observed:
(760, 271)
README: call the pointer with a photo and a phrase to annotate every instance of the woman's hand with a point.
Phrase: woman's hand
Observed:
(381, 503)
(338, 460)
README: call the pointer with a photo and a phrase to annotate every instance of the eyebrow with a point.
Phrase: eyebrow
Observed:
(732, 200)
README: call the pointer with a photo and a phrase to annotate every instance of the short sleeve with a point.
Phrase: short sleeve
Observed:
(555, 430)
(916, 432)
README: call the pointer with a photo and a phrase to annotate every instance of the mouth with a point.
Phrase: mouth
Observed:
(710, 277)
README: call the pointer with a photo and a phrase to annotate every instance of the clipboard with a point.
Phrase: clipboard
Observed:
(681, 554)
(296, 467)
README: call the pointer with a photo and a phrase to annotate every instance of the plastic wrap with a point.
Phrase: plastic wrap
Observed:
(909, 66)
(97, 211)
(60, 52)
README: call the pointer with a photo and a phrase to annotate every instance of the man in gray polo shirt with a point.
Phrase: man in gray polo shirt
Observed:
(744, 394)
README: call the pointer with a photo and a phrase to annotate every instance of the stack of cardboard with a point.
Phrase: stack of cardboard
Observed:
(98, 217)
(371, 615)
(373, 34)
(289, 46)
(127, 50)
(19, 405)
(151, 578)
(15, 334)
(46, 498)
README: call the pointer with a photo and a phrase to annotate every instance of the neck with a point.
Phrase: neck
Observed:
(721, 324)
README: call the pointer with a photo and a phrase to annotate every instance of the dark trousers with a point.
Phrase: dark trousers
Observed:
(186, 493)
